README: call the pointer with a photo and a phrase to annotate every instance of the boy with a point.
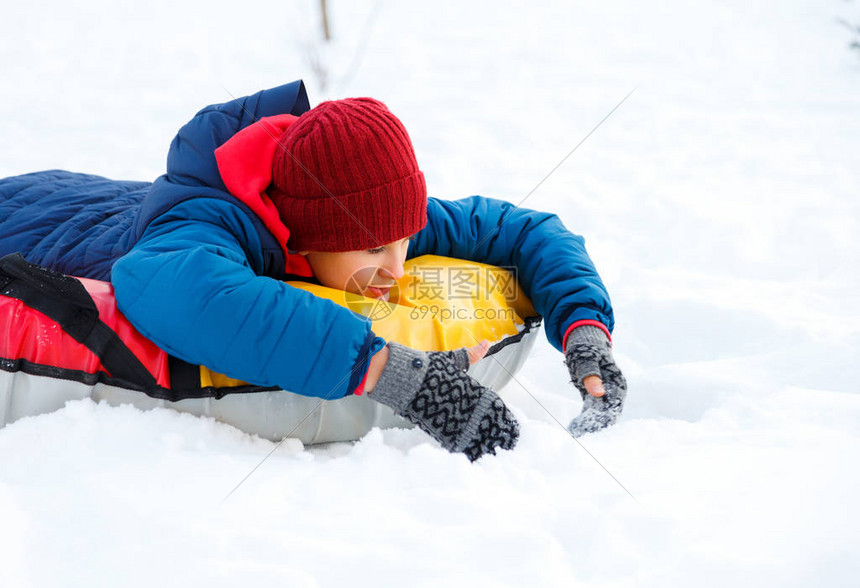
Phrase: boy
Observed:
(264, 187)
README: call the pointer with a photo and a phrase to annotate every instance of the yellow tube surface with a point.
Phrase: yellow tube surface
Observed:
(439, 304)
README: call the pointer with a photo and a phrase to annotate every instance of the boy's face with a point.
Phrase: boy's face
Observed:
(369, 272)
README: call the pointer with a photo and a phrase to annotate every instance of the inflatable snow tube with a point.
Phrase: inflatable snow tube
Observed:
(62, 339)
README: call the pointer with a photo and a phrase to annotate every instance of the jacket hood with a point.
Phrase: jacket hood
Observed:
(245, 165)
(193, 171)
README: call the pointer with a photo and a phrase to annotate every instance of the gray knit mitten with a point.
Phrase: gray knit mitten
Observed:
(589, 353)
(433, 390)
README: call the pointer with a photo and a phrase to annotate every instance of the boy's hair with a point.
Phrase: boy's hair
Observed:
(345, 178)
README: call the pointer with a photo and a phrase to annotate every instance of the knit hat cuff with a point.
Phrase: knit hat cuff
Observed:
(375, 217)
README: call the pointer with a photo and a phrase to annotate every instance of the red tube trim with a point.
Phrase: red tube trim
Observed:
(150, 355)
(31, 336)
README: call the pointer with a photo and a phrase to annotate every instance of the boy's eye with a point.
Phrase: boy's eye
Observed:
(382, 248)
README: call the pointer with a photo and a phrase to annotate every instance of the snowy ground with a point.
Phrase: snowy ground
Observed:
(719, 203)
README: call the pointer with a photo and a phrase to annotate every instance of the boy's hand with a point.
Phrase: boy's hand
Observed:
(433, 390)
(592, 368)
(378, 361)
(478, 352)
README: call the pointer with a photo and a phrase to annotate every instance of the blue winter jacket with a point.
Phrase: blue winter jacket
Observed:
(193, 267)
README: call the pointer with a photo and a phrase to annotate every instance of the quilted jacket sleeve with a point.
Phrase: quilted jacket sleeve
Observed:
(552, 265)
(191, 285)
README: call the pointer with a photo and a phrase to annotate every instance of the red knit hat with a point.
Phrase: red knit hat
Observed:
(345, 178)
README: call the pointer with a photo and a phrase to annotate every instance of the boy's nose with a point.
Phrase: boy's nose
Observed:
(393, 271)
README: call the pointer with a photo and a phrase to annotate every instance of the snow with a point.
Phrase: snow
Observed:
(718, 202)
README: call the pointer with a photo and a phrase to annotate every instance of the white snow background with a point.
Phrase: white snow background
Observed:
(719, 203)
